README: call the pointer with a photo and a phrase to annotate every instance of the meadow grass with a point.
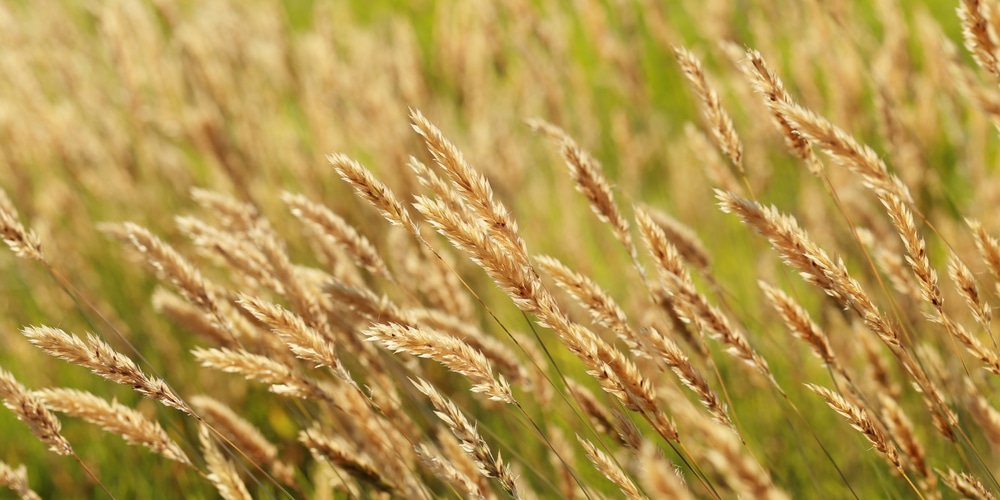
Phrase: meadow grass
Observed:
(530, 249)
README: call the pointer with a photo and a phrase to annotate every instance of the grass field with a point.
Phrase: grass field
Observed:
(532, 248)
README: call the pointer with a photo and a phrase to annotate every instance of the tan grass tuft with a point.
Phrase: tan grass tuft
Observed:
(170, 264)
(916, 250)
(499, 353)
(844, 148)
(512, 272)
(474, 188)
(799, 252)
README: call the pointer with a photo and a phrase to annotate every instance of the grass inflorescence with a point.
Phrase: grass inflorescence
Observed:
(695, 249)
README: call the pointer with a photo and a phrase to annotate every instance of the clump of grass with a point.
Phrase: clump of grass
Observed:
(379, 280)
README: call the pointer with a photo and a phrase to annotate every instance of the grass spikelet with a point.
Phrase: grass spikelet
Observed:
(24, 242)
(304, 341)
(373, 191)
(916, 250)
(282, 378)
(602, 307)
(588, 176)
(725, 453)
(862, 421)
(174, 267)
(802, 326)
(299, 296)
(721, 125)
(682, 237)
(31, 410)
(222, 472)
(979, 40)
(599, 416)
(339, 453)
(447, 472)
(455, 354)
(675, 358)
(962, 276)
(472, 443)
(327, 223)
(767, 83)
(989, 249)
(901, 429)
(690, 304)
(113, 417)
(986, 417)
(498, 353)
(799, 252)
(17, 481)
(967, 485)
(471, 185)
(844, 149)
(659, 478)
(607, 466)
(247, 438)
(97, 356)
